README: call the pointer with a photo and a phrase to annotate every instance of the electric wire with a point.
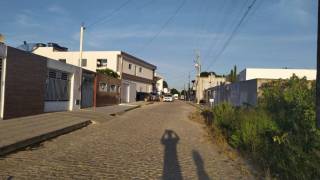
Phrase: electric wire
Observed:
(235, 30)
(164, 25)
(108, 17)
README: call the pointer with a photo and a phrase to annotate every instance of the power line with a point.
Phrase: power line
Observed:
(235, 30)
(217, 38)
(108, 17)
(164, 25)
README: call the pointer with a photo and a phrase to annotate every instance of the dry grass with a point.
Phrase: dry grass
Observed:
(215, 135)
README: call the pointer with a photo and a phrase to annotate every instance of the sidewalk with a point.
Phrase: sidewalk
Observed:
(18, 133)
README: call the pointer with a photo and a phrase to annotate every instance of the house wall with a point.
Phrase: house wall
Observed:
(128, 91)
(146, 72)
(72, 57)
(204, 83)
(159, 86)
(107, 98)
(260, 73)
(24, 84)
(75, 94)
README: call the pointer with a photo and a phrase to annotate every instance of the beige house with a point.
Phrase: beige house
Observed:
(203, 83)
(136, 74)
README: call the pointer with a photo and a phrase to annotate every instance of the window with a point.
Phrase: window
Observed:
(140, 69)
(102, 62)
(57, 86)
(113, 88)
(130, 66)
(103, 87)
(63, 60)
(84, 62)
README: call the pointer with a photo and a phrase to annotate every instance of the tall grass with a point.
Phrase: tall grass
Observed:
(280, 133)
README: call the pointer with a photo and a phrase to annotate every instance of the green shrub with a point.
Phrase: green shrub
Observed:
(280, 134)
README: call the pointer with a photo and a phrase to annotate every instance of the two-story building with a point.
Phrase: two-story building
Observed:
(136, 74)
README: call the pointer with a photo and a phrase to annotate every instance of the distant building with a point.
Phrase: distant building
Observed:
(137, 75)
(203, 83)
(159, 84)
(264, 73)
(246, 90)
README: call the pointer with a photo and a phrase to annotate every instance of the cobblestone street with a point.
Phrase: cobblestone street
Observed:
(157, 141)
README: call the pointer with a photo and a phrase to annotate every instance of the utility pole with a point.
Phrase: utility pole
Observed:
(184, 91)
(318, 73)
(189, 87)
(198, 70)
(81, 44)
(80, 59)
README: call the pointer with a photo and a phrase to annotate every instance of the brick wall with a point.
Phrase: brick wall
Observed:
(25, 84)
(107, 98)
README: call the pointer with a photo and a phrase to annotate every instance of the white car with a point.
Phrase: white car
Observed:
(167, 98)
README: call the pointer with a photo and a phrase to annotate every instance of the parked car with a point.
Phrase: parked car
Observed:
(154, 97)
(168, 98)
(176, 96)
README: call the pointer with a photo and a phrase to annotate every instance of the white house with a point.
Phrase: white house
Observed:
(264, 73)
(137, 75)
(159, 84)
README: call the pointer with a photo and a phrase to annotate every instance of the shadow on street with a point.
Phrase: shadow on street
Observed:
(171, 167)
(200, 166)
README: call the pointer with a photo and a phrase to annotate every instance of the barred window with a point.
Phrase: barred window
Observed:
(103, 87)
(57, 86)
(113, 88)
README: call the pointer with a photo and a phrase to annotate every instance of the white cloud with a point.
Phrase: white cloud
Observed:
(56, 9)
(25, 20)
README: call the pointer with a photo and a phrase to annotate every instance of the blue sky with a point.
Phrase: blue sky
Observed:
(277, 33)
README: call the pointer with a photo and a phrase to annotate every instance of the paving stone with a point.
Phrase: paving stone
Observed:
(157, 141)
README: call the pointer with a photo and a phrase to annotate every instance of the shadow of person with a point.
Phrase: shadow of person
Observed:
(200, 166)
(171, 167)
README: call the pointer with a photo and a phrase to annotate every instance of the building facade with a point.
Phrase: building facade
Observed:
(264, 73)
(33, 84)
(203, 83)
(136, 74)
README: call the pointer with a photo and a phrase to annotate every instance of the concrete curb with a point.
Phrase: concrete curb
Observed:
(124, 111)
(40, 138)
(194, 105)
(130, 109)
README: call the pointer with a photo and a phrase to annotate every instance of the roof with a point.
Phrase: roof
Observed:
(138, 59)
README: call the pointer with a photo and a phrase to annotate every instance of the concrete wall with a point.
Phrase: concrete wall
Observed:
(260, 73)
(239, 93)
(24, 84)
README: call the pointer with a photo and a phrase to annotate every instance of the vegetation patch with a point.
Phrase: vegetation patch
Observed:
(279, 134)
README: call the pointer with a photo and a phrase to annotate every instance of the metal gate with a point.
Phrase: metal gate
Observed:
(87, 90)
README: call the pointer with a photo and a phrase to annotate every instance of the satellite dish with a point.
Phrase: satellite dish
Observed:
(1, 38)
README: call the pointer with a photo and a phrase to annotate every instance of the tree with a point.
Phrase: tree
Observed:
(108, 72)
(165, 84)
(204, 74)
(184, 92)
(174, 91)
(232, 77)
